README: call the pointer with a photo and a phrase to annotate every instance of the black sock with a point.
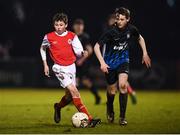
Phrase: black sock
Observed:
(110, 101)
(95, 92)
(123, 103)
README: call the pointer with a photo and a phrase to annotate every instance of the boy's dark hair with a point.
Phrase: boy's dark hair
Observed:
(60, 17)
(78, 21)
(123, 11)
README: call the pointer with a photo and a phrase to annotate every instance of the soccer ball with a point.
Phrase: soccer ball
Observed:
(80, 120)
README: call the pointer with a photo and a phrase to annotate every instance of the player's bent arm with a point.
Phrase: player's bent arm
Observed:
(98, 53)
(77, 47)
(88, 52)
(104, 66)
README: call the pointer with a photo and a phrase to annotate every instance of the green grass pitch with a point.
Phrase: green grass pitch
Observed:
(31, 111)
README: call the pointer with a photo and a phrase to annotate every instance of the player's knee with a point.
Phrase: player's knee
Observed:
(87, 83)
(74, 91)
(111, 90)
(123, 87)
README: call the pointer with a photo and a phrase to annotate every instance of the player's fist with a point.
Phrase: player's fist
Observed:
(146, 59)
(104, 67)
(85, 54)
(46, 70)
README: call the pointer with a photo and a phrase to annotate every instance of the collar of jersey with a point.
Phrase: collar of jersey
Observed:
(61, 35)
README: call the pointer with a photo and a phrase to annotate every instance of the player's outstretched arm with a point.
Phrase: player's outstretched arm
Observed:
(146, 59)
(104, 66)
(43, 56)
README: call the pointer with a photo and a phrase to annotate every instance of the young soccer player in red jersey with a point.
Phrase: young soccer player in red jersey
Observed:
(64, 46)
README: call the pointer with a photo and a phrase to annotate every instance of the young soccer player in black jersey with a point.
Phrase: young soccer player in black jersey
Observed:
(111, 21)
(114, 60)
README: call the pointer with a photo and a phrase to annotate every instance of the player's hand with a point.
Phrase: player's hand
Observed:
(85, 54)
(46, 70)
(146, 59)
(104, 67)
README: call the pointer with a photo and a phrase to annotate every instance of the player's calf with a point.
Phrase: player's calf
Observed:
(57, 113)
(110, 113)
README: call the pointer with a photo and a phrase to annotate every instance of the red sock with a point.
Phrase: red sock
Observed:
(129, 89)
(81, 107)
(64, 101)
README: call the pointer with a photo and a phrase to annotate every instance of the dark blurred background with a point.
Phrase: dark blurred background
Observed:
(23, 24)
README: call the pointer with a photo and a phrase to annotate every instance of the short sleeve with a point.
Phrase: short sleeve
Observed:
(104, 38)
(86, 39)
(45, 41)
(134, 32)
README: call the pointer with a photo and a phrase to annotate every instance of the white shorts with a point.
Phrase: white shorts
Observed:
(65, 74)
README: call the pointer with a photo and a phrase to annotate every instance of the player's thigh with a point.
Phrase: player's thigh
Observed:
(73, 91)
(72, 73)
(65, 74)
(123, 80)
(123, 72)
(77, 81)
(87, 82)
(111, 77)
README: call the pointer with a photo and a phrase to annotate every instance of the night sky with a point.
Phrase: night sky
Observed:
(157, 21)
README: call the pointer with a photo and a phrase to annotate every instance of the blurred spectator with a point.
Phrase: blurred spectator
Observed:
(110, 21)
(83, 76)
(5, 50)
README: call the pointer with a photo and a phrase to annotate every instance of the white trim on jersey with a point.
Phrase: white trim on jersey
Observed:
(63, 34)
(43, 53)
(77, 46)
(103, 50)
(45, 41)
(44, 44)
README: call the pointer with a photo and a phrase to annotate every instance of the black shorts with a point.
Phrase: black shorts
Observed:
(112, 76)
